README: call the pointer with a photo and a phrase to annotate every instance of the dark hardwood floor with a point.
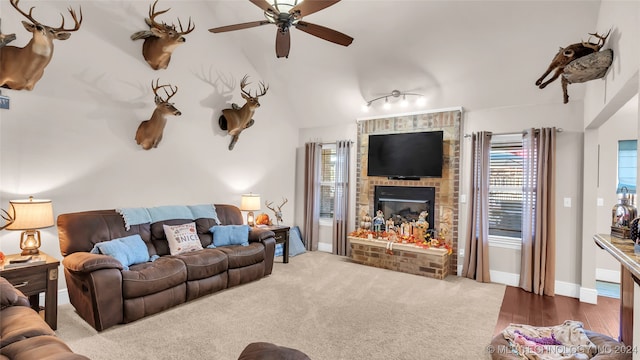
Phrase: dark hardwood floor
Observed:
(521, 307)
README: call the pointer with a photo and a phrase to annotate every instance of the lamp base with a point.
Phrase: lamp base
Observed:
(30, 252)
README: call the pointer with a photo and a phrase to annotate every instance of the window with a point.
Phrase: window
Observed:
(505, 186)
(627, 164)
(327, 180)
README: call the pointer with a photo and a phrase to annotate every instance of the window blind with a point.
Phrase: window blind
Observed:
(505, 189)
(627, 165)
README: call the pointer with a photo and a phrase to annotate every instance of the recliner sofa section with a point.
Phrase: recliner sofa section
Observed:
(104, 294)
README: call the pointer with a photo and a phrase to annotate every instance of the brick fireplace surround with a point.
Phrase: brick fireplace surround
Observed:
(446, 187)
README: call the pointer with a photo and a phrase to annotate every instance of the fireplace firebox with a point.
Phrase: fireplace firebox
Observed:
(405, 203)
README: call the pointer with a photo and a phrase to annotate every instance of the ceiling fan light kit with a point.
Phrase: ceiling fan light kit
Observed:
(275, 14)
(420, 101)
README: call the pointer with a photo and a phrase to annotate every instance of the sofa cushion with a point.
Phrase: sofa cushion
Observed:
(224, 235)
(19, 323)
(182, 238)
(43, 347)
(129, 250)
(241, 256)
(149, 278)
(10, 296)
(204, 263)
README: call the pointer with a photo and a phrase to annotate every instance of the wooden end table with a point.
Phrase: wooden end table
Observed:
(33, 279)
(282, 237)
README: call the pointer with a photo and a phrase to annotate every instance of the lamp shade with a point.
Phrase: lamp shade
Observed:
(30, 214)
(250, 202)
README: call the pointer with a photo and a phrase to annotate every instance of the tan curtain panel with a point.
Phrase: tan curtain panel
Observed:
(341, 199)
(312, 195)
(537, 269)
(476, 255)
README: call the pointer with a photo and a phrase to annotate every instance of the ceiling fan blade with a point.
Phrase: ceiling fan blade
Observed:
(283, 43)
(265, 6)
(324, 33)
(308, 7)
(239, 26)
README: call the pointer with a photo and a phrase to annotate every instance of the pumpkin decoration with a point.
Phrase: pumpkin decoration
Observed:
(263, 219)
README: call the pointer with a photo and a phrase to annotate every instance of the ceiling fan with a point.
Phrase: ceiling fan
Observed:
(286, 15)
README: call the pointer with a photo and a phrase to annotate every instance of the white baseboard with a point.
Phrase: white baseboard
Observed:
(506, 278)
(325, 247)
(612, 276)
(561, 287)
(589, 295)
(567, 289)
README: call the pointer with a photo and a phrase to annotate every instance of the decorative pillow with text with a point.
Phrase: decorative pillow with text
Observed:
(182, 238)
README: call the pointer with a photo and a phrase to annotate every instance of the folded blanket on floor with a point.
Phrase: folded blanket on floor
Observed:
(136, 216)
(566, 341)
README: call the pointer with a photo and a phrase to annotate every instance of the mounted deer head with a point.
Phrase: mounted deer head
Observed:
(239, 118)
(21, 68)
(150, 131)
(160, 39)
(565, 56)
(277, 213)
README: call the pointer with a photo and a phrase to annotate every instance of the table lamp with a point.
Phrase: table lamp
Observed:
(250, 202)
(29, 215)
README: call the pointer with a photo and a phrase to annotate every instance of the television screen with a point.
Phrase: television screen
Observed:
(406, 155)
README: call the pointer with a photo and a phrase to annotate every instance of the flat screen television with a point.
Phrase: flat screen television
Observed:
(406, 155)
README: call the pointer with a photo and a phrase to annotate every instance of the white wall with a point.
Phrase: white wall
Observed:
(71, 139)
(603, 98)
(622, 126)
(505, 262)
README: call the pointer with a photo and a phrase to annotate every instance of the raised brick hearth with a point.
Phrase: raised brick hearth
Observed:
(406, 258)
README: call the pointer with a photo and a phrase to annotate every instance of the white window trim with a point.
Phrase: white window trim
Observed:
(505, 242)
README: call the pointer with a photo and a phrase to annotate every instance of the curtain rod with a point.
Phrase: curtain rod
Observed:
(514, 133)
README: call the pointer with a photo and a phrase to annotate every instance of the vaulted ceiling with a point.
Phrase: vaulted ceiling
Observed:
(475, 54)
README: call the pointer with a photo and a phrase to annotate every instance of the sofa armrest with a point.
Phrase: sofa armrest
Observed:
(87, 262)
(259, 235)
(10, 296)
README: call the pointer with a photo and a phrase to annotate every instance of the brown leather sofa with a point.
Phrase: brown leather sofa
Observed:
(104, 294)
(24, 335)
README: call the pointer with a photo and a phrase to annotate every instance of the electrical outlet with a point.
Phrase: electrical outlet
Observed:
(600, 202)
(463, 199)
(461, 252)
(567, 202)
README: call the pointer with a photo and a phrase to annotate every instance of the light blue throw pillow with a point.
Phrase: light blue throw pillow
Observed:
(224, 235)
(129, 250)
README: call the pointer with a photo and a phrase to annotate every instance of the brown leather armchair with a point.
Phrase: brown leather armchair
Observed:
(24, 335)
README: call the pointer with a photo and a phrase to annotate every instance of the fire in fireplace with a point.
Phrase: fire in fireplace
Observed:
(405, 203)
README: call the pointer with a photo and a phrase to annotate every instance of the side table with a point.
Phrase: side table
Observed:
(33, 279)
(282, 237)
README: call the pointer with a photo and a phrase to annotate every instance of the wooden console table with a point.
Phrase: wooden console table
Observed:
(33, 279)
(282, 237)
(622, 250)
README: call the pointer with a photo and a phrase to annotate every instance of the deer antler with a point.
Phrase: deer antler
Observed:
(601, 41)
(162, 26)
(284, 202)
(268, 205)
(14, 3)
(190, 27)
(156, 87)
(8, 218)
(75, 20)
(244, 83)
(152, 16)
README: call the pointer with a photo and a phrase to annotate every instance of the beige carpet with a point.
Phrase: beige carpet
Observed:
(321, 304)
